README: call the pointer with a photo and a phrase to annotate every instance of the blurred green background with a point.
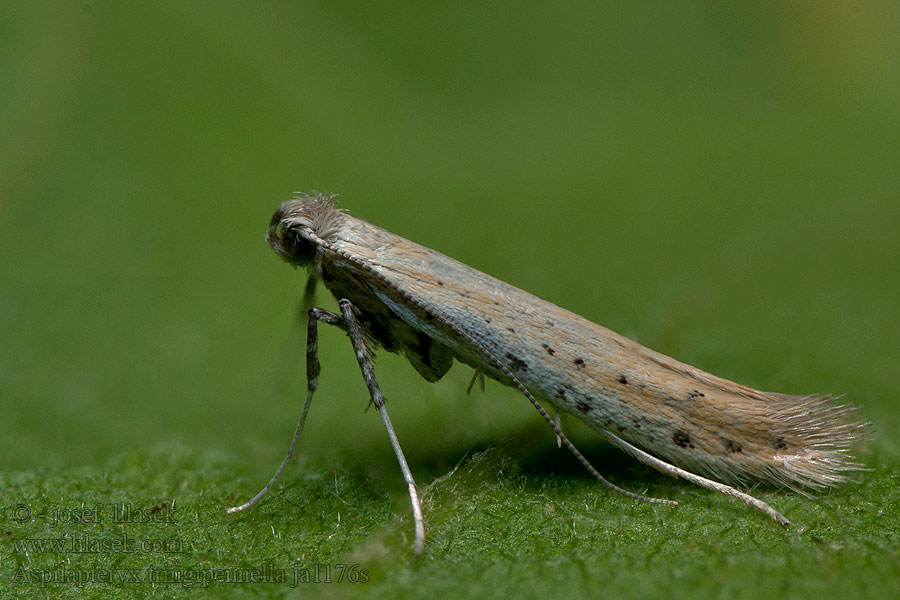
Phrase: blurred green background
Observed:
(718, 181)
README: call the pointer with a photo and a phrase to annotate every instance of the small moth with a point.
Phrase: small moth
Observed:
(687, 423)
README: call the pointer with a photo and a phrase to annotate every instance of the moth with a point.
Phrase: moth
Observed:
(685, 422)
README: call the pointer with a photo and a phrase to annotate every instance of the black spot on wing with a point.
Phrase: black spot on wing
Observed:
(682, 439)
(731, 446)
(516, 363)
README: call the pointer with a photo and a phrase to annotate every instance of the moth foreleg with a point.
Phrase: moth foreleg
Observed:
(312, 382)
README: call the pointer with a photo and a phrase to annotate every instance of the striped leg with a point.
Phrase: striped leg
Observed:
(365, 364)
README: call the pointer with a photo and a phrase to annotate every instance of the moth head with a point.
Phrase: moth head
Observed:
(293, 246)
(299, 226)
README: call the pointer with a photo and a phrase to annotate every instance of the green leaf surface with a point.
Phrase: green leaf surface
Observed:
(718, 182)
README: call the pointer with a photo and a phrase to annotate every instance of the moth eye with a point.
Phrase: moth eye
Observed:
(297, 247)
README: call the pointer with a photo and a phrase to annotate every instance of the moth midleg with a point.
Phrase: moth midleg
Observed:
(312, 382)
(561, 437)
(368, 372)
(672, 470)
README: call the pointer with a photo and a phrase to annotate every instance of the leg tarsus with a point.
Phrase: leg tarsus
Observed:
(290, 454)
